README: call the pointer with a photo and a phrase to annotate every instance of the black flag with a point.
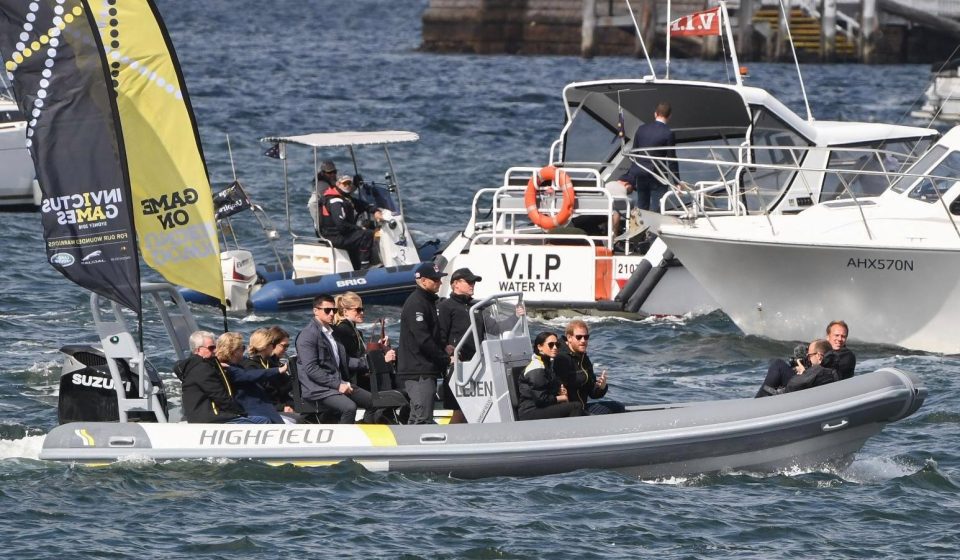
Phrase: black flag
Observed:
(274, 151)
(61, 84)
(230, 201)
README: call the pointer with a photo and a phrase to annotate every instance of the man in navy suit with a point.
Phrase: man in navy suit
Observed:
(322, 366)
(654, 134)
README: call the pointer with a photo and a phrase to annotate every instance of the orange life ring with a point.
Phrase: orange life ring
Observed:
(541, 177)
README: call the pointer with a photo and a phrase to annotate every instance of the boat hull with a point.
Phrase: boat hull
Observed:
(789, 291)
(824, 425)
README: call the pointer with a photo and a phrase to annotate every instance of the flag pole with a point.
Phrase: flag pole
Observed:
(668, 41)
(733, 47)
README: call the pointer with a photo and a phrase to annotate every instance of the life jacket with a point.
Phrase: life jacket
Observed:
(329, 224)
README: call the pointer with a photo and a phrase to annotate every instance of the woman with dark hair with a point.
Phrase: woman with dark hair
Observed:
(541, 394)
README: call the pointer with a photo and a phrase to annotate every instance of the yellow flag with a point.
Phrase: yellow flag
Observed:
(172, 203)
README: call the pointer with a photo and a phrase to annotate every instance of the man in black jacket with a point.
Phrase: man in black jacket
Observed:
(840, 357)
(454, 322)
(421, 357)
(338, 222)
(208, 395)
(575, 371)
(809, 372)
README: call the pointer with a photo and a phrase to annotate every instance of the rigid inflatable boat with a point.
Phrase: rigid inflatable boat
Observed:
(820, 426)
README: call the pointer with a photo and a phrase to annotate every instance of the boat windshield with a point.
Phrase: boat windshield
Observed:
(942, 177)
(925, 163)
(777, 145)
(889, 157)
(500, 320)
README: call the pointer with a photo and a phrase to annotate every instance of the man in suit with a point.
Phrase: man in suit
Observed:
(654, 134)
(322, 366)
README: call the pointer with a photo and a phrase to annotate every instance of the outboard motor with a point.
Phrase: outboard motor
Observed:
(397, 247)
(87, 392)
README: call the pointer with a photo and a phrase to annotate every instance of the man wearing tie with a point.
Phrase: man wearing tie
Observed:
(654, 134)
(322, 366)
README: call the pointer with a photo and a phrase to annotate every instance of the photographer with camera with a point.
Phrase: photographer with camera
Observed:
(805, 370)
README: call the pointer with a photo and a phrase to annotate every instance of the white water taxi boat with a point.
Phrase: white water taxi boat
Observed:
(512, 238)
(941, 100)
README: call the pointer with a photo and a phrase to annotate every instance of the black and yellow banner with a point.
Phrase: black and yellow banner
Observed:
(173, 207)
(50, 54)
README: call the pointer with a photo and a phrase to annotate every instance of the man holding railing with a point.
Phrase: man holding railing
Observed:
(654, 134)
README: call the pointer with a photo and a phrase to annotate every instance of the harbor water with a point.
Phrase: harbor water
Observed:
(257, 69)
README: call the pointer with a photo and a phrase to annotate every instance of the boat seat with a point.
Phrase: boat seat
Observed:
(383, 384)
(312, 411)
(514, 388)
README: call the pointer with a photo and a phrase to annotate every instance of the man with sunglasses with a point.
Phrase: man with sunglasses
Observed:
(322, 366)
(421, 358)
(208, 395)
(809, 372)
(575, 370)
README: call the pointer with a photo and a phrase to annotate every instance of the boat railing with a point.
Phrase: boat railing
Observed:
(118, 344)
(847, 176)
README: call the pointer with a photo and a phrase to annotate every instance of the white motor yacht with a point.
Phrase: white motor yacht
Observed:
(886, 265)
(18, 187)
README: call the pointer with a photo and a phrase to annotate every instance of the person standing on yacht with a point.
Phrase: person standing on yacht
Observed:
(654, 134)
(421, 358)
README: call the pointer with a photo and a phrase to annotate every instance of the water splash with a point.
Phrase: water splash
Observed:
(24, 448)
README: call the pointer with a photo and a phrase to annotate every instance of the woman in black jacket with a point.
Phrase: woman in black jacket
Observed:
(349, 314)
(541, 394)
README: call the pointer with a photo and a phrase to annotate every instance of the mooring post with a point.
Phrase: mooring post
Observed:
(828, 30)
(868, 30)
(588, 28)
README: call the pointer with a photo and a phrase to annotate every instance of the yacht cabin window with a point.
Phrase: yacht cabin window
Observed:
(927, 161)
(941, 178)
(775, 144)
(589, 139)
(891, 156)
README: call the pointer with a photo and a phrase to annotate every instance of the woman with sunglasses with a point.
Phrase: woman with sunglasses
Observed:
(349, 314)
(541, 394)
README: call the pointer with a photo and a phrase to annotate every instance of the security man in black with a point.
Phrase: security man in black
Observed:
(421, 357)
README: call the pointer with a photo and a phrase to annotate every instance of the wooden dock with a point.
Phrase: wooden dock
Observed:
(870, 31)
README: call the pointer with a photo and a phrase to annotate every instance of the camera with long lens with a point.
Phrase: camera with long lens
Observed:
(799, 356)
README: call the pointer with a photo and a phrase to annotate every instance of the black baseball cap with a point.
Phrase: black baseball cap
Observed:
(429, 270)
(465, 274)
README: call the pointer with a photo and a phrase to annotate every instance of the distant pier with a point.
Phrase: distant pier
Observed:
(868, 31)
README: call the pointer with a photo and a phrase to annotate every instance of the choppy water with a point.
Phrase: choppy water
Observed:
(256, 69)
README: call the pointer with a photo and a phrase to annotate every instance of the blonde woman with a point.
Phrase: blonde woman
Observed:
(247, 382)
(349, 314)
(262, 354)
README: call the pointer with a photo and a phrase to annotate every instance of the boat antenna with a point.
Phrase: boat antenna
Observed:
(793, 49)
(667, 71)
(733, 50)
(643, 45)
(233, 167)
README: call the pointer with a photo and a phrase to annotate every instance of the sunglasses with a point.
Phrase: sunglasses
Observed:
(551, 345)
(282, 345)
(327, 310)
(358, 309)
(582, 336)
(212, 347)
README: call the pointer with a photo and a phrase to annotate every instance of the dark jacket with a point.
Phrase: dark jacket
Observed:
(248, 384)
(654, 134)
(575, 371)
(320, 374)
(420, 352)
(338, 213)
(454, 321)
(842, 360)
(813, 376)
(279, 389)
(208, 394)
(538, 386)
(347, 334)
